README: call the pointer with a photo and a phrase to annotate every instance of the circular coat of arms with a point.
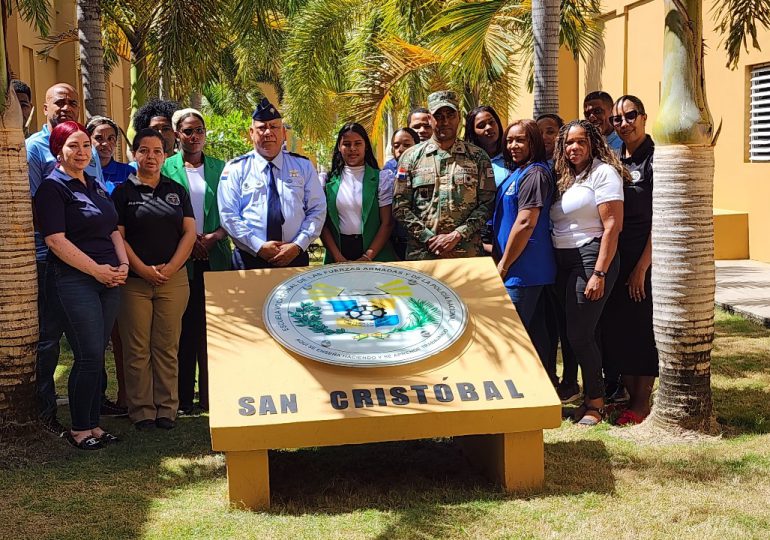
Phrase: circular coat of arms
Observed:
(365, 315)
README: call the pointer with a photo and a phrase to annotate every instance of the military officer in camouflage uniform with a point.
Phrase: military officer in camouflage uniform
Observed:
(445, 189)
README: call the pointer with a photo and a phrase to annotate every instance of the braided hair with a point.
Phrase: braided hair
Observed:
(598, 149)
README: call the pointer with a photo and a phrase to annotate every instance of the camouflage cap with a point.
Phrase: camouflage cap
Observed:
(442, 98)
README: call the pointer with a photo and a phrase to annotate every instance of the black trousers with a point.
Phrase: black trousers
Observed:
(192, 343)
(352, 246)
(575, 266)
(252, 262)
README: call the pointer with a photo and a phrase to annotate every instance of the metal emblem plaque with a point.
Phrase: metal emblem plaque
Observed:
(365, 315)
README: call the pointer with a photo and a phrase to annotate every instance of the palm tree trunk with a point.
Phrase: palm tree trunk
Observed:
(18, 275)
(92, 58)
(683, 277)
(138, 82)
(545, 30)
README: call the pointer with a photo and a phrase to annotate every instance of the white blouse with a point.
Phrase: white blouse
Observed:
(350, 197)
(575, 216)
(197, 183)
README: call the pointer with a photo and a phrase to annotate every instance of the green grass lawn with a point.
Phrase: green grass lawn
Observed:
(170, 485)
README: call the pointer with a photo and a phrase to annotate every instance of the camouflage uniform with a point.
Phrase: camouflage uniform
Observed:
(438, 191)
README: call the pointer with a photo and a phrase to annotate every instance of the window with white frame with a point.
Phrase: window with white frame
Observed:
(759, 113)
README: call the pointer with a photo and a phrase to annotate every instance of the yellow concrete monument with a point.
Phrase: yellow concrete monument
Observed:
(361, 353)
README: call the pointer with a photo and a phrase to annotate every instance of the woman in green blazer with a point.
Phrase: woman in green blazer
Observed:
(199, 174)
(359, 200)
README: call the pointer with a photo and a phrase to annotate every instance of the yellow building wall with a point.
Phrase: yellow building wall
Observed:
(61, 66)
(630, 62)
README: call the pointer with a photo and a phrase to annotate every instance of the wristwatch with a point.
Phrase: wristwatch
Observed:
(599, 273)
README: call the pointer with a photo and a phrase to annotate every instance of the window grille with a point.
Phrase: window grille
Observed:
(759, 114)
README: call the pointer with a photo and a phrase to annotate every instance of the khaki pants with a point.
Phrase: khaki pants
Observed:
(150, 321)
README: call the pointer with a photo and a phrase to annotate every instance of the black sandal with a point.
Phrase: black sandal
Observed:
(88, 443)
(587, 420)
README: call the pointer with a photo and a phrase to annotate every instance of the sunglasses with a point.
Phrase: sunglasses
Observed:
(630, 116)
(189, 131)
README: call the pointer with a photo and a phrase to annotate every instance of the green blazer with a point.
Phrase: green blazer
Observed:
(370, 213)
(220, 258)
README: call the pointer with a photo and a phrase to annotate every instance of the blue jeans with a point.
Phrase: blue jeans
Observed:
(530, 305)
(51, 328)
(88, 311)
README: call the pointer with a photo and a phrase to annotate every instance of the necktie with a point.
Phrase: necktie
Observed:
(274, 214)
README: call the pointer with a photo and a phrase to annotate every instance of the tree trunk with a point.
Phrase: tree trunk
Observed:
(683, 276)
(92, 58)
(196, 100)
(138, 87)
(18, 273)
(545, 30)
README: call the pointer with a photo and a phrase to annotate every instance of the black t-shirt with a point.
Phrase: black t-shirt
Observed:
(152, 217)
(534, 189)
(84, 213)
(637, 204)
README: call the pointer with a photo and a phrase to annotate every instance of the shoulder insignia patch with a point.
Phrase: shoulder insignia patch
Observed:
(296, 155)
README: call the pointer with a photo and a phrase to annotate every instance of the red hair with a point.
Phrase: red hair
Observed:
(61, 133)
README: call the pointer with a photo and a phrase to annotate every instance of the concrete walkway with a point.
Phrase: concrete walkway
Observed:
(743, 287)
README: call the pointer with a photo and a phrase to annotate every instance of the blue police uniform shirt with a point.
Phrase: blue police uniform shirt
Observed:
(40, 163)
(115, 173)
(242, 199)
(499, 168)
(614, 141)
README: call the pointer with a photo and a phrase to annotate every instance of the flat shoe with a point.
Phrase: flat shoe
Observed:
(165, 423)
(88, 443)
(145, 425)
(628, 418)
(108, 438)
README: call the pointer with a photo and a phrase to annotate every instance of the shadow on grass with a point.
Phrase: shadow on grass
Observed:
(116, 487)
(743, 410)
(421, 480)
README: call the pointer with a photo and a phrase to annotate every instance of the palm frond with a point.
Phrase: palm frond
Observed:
(185, 42)
(50, 42)
(313, 72)
(372, 96)
(738, 21)
(36, 12)
(473, 37)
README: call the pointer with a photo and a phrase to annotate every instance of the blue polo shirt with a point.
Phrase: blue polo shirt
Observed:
(499, 168)
(40, 163)
(115, 173)
(84, 213)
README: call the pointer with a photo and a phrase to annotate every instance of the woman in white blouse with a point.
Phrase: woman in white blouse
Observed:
(359, 202)
(587, 217)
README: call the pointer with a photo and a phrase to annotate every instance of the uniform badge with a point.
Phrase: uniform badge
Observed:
(173, 199)
(401, 175)
(293, 173)
(636, 176)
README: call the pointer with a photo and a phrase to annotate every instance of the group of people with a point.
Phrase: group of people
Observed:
(564, 210)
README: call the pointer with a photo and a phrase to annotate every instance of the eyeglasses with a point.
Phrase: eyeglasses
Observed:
(189, 131)
(630, 116)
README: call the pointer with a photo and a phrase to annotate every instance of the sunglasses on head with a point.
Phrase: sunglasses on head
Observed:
(630, 116)
(189, 131)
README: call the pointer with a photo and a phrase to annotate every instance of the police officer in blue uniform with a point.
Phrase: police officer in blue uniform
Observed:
(270, 200)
